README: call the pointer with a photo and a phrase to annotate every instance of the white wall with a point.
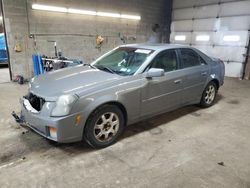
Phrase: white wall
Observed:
(225, 22)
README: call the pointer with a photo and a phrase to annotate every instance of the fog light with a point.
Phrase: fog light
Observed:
(78, 119)
(52, 132)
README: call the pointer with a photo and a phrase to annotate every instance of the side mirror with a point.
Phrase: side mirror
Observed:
(154, 72)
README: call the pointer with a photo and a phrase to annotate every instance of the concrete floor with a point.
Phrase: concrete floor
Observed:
(4, 74)
(177, 149)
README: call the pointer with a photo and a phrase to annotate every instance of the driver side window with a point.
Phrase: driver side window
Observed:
(166, 60)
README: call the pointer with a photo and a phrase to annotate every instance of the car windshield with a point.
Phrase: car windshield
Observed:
(123, 61)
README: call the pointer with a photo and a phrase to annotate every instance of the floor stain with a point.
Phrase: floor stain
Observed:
(5, 157)
(195, 114)
(156, 131)
(234, 101)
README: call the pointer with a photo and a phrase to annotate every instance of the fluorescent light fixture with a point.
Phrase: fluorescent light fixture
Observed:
(49, 8)
(108, 14)
(77, 11)
(231, 38)
(84, 12)
(202, 38)
(180, 37)
(130, 17)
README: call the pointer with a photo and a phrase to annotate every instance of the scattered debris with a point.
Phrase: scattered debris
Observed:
(24, 132)
(17, 118)
(19, 79)
(221, 163)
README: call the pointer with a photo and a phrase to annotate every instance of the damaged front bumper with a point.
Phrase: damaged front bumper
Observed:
(59, 129)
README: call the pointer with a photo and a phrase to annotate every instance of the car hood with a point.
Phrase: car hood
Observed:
(77, 80)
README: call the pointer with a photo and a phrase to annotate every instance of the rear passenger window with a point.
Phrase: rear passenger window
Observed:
(189, 58)
(166, 61)
(203, 62)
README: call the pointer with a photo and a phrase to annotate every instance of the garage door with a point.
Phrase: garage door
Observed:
(218, 28)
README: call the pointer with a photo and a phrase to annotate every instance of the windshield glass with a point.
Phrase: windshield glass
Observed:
(123, 61)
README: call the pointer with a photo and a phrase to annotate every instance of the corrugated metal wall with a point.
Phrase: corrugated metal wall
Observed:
(220, 28)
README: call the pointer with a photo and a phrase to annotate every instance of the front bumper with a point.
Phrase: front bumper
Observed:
(66, 129)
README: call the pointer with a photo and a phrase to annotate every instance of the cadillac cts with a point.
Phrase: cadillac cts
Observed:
(96, 101)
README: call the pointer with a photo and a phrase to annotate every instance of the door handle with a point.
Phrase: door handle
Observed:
(177, 81)
(203, 73)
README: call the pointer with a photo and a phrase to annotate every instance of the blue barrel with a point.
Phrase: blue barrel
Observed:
(35, 64)
(40, 63)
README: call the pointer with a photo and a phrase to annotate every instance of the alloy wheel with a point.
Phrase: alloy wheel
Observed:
(210, 94)
(106, 126)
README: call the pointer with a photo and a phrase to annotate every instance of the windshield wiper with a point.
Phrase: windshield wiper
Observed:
(104, 68)
(86, 64)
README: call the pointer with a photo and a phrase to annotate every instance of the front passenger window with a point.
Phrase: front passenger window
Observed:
(166, 61)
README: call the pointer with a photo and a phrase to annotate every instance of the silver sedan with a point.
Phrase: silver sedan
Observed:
(94, 102)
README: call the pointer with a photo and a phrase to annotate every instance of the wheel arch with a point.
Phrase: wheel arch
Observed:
(202, 103)
(119, 105)
(216, 81)
(115, 103)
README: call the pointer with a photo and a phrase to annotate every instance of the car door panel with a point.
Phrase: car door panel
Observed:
(195, 75)
(162, 93)
(193, 83)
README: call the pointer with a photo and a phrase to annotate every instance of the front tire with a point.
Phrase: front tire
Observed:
(209, 95)
(104, 126)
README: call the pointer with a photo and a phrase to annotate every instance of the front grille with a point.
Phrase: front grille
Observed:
(35, 101)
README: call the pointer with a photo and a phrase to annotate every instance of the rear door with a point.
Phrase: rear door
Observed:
(195, 72)
(162, 93)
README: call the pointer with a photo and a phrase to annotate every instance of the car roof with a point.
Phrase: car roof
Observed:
(156, 46)
(165, 46)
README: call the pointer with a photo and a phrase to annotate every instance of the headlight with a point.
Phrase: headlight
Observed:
(63, 105)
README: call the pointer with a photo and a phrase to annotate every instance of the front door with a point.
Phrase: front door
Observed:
(162, 93)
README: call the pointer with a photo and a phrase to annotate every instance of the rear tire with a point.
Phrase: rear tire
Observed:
(209, 95)
(104, 126)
